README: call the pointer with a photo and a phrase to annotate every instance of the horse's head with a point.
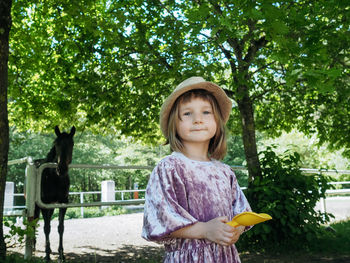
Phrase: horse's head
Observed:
(64, 149)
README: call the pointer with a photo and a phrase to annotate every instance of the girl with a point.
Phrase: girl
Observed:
(191, 195)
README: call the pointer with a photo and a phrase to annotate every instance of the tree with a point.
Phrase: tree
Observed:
(108, 65)
(5, 26)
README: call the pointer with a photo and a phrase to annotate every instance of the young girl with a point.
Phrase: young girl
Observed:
(191, 195)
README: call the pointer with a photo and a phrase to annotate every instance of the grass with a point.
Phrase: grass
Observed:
(335, 240)
(90, 212)
(333, 246)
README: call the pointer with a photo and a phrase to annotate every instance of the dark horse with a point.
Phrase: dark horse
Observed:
(55, 185)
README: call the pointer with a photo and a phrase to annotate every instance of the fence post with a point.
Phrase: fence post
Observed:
(82, 201)
(323, 206)
(30, 191)
(136, 193)
(9, 197)
(322, 201)
(107, 192)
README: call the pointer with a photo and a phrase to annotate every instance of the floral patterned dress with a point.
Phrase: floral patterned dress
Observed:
(181, 192)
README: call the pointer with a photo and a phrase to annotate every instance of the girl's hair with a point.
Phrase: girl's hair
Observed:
(217, 145)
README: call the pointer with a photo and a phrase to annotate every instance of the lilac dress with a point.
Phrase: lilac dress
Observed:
(181, 192)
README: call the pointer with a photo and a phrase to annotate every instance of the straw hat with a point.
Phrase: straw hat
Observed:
(223, 100)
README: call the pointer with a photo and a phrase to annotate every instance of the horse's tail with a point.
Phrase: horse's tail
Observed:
(36, 212)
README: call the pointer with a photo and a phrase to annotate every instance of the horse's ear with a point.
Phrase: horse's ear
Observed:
(57, 131)
(72, 131)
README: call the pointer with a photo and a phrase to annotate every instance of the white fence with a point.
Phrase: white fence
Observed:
(11, 210)
(17, 210)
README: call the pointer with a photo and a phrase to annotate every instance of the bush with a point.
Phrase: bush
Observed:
(290, 198)
(18, 258)
(17, 232)
(344, 177)
(90, 212)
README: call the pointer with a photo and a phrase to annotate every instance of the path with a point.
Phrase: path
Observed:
(118, 238)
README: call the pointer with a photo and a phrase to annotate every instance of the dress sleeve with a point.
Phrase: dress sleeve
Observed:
(162, 212)
(240, 203)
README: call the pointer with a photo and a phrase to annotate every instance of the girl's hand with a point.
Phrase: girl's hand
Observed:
(237, 233)
(214, 230)
(217, 231)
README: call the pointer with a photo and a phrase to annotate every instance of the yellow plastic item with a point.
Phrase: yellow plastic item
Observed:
(248, 219)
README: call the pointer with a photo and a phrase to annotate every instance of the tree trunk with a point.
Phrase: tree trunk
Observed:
(245, 107)
(5, 25)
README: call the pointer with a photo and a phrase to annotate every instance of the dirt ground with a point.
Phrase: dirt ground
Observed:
(103, 239)
(118, 239)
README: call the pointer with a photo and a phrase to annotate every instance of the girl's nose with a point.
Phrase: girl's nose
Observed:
(197, 118)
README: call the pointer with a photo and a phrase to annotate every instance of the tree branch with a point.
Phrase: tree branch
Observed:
(230, 93)
(260, 95)
(228, 55)
(142, 28)
(161, 59)
(253, 49)
(261, 68)
(251, 26)
(233, 42)
(274, 89)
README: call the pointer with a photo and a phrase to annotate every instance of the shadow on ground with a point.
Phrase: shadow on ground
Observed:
(124, 254)
(150, 254)
(293, 258)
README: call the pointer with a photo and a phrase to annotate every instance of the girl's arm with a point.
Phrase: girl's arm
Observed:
(214, 230)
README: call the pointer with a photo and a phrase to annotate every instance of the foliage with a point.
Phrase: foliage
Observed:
(235, 157)
(108, 65)
(312, 155)
(89, 212)
(88, 149)
(97, 149)
(290, 198)
(91, 149)
(235, 151)
(25, 144)
(18, 258)
(343, 178)
(17, 233)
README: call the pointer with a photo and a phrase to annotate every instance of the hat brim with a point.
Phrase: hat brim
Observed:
(223, 100)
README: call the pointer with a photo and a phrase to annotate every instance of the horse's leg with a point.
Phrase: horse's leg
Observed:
(47, 214)
(60, 231)
(36, 216)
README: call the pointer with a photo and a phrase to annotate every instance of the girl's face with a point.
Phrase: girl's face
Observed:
(197, 122)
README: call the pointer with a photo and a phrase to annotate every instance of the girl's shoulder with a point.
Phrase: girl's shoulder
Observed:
(177, 159)
(168, 161)
(172, 160)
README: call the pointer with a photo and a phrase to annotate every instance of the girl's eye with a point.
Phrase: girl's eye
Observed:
(206, 112)
(187, 113)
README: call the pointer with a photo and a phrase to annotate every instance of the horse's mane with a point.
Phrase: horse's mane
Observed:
(51, 155)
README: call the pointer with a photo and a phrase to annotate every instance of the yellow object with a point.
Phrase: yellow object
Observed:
(248, 219)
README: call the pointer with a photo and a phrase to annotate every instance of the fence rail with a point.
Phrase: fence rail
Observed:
(110, 166)
(122, 201)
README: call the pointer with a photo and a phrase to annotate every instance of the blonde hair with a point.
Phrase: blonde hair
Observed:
(217, 145)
